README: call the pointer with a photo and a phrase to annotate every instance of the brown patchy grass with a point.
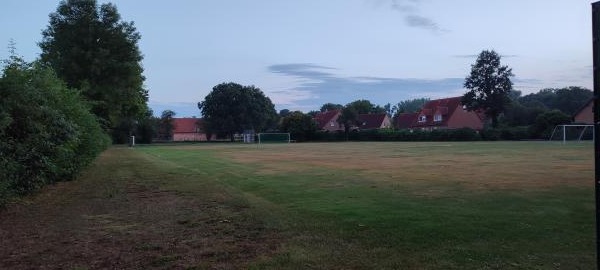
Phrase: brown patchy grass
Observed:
(479, 166)
(332, 206)
(121, 215)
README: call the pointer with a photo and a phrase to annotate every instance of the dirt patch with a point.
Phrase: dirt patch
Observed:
(111, 219)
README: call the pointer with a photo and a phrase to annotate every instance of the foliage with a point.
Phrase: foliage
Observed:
(363, 106)
(331, 107)
(462, 134)
(165, 125)
(545, 123)
(489, 85)
(567, 99)
(516, 114)
(146, 128)
(410, 105)
(47, 133)
(348, 118)
(301, 126)
(93, 50)
(231, 108)
(284, 113)
(312, 113)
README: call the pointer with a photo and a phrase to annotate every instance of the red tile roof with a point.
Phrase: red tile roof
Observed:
(371, 121)
(186, 125)
(323, 118)
(444, 107)
(406, 120)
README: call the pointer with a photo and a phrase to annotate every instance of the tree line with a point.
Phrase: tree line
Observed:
(84, 92)
(231, 108)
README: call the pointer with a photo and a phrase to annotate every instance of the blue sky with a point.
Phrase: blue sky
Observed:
(303, 54)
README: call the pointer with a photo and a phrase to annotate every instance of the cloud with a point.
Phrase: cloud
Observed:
(316, 85)
(410, 11)
(420, 21)
(476, 55)
(181, 109)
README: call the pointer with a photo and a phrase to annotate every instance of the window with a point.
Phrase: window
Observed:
(332, 124)
(437, 118)
(423, 118)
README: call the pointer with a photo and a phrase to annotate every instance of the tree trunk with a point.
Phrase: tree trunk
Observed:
(494, 121)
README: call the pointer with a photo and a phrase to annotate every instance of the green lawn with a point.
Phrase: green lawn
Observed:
(484, 205)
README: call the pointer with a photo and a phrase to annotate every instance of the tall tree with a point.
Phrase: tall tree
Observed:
(331, 107)
(489, 85)
(93, 50)
(363, 106)
(410, 105)
(300, 126)
(348, 118)
(284, 112)
(231, 108)
(567, 99)
(165, 125)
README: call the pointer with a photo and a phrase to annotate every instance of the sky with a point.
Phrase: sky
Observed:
(304, 53)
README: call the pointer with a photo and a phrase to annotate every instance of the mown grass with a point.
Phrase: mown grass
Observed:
(501, 205)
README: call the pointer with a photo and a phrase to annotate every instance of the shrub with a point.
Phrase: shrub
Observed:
(47, 132)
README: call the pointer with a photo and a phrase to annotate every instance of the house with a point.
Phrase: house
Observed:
(374, 121)
(406, 120)
(447, 113)
(585, 115)
(188, 129)
(327, 121)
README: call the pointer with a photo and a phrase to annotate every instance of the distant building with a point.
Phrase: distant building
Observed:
(446, 113)
(405, 120)
(189, 129)
(374, 121)
(327, 121)
(585, 115)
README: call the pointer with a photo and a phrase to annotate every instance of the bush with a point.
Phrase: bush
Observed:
(462, 134)
(515, 133)
(47, 132)
(490, 134)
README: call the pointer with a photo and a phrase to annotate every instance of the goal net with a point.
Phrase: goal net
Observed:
(566, 133)
(273, 137)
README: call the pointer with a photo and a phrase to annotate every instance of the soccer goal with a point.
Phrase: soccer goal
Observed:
(273, 138)
(578, 133)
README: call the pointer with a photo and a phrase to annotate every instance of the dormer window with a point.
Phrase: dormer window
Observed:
(437, 118)
(332, 124)
(364, 123)
(422, 118)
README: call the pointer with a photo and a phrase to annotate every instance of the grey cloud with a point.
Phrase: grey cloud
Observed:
(322, 86)
(420, 21)
(410, 11)
(465, 56)
(305, 70)
(476, 55)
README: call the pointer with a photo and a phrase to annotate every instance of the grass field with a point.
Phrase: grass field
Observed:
(484, 205)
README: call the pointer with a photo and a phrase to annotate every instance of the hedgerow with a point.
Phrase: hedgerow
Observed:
(47, 133)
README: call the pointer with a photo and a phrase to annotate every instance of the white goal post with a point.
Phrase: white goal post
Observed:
(274, 138)
(572, 132)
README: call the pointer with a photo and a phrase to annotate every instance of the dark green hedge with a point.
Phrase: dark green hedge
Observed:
(462, 134)
(47, 133)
